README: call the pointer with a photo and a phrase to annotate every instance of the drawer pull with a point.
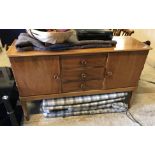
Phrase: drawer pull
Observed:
(109, 73)
(84, 62)
(56, 76)
(83, 75)
(83, 86)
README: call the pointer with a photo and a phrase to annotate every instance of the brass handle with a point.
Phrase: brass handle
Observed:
(83, 62)
(56, 76)
(109, 73)
(83, 75)
(83, 86)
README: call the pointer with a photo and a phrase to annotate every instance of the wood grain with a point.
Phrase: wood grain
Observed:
(36, 75)
(82, 61)
(89, 92)
(125, 69)
(81, 86)
(83, 74)
(43, 75)
(25, 110)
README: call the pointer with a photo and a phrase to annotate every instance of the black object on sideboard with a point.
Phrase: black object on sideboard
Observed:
(7, 36)
(94, 34)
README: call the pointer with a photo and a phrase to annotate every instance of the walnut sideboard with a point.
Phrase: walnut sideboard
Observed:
(43, 75)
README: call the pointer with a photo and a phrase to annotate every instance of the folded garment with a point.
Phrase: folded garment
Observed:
(82, 99)
(87, 42)
(27, 43)
(121, 107)
(99, 34)
(24, 40)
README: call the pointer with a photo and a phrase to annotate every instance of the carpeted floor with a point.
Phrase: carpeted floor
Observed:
(143, 108)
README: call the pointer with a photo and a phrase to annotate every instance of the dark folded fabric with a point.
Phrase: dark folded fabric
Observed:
(91, 34)
(88, 42)
(27, 43)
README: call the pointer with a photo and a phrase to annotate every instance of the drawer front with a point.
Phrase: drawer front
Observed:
(82, 86)
(83, 74)
(78, 61)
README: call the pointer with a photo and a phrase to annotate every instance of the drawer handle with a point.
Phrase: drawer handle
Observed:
(83, 75)
(56, 76)
(83, 62)
(109, 73)
(83, 86)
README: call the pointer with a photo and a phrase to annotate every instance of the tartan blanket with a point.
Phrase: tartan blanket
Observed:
(84, 105)
(98, 110)
(82, 99)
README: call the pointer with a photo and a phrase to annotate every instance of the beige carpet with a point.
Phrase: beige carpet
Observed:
(4, 60)
(143, 108)
(113, 119)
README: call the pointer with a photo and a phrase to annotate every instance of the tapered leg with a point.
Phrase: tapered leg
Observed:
(131, 98)
(25, 110)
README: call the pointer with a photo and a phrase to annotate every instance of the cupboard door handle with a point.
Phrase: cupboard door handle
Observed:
(56, 76)
(109, 73)
(83, 75)
(84, 62)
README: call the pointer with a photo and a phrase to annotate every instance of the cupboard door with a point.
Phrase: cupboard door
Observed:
(36, 75)
(124, 69)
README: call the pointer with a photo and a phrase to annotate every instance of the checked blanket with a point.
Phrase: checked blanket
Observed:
(84, 105)
(82, 99)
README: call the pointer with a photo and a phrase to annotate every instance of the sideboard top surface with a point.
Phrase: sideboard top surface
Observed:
(124, 43)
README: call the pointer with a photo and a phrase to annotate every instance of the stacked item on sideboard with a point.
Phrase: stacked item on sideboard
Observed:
(85, 105)
(43, 40)
(94, 34)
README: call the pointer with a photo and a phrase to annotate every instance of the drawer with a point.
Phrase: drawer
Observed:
(78, 61)
(82, 86)
(83, 74)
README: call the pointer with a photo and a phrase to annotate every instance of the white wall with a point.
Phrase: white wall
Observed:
(147, 34)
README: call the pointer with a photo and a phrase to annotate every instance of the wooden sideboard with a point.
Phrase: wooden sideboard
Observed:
(53, 74)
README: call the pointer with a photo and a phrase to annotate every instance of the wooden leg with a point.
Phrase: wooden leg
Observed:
(25, 110)
(131, 98)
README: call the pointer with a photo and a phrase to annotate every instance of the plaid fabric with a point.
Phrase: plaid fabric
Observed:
(79, 107)
(108, 109)
(82, 99)
(85, 105)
